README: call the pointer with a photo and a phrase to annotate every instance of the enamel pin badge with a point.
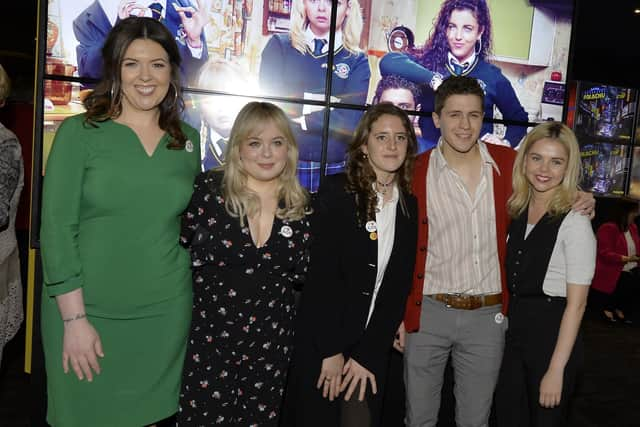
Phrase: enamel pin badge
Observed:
(286, 231)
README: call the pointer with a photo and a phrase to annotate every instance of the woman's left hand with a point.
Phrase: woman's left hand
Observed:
(194, 24)
(551, 388)
(354, 374)
(585, 204)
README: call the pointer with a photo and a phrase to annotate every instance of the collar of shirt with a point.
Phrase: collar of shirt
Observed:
(469, 60)
(441, 163)
(395, 195)
(309, 37)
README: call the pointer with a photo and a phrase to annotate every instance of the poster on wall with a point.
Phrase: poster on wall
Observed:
(604, 112)
(281, 49)
(604, 168)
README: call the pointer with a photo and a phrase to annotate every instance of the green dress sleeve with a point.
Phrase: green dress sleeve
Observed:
(61, 200)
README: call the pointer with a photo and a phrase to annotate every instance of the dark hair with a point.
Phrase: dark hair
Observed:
(434, 53)
(360, 174)
(393, 81)
(620, 212)
(457, 85)
(105, 101)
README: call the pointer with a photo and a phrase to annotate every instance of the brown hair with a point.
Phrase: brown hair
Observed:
(105, 101)
(457, 85)
(360, 174)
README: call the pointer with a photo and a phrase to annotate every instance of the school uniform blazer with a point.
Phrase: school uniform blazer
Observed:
(502, 187)
(612, 245)
(92, 26)
(342, 274)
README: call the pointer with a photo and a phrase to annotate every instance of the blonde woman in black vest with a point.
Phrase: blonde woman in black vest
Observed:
(550, 263)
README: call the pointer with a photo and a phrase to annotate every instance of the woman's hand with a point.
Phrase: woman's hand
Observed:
(354, 374)
(398, 342)
(585, 204)
(81, 346)
(194, 24)
(128, 8)
(551, 388)
(331, 376)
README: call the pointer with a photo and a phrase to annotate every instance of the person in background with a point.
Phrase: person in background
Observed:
(614, 287)
(460, 44)
(365, 230)
(184, 20)
(248, 232)
(116, 301)
(403, 94)
(295, 65)
(11, 183)
(551, 255)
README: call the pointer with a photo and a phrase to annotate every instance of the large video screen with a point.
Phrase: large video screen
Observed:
(380, 53)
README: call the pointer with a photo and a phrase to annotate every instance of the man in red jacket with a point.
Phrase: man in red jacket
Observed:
(458, 295)
(458, 298)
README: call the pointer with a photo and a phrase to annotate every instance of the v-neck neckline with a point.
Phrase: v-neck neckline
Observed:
(139, 141)
(267, 240)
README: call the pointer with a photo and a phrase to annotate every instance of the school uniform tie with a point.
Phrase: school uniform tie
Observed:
(156, 10)
(458, 69)
(318, 44)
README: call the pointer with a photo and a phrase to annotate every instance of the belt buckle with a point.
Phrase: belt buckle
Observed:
(448, 298)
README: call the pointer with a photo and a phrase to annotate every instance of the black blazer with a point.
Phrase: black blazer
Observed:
(341, 279)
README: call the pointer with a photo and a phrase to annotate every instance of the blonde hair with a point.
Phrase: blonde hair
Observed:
(216, 74)
(351, 26)
(564, 194)
(240, 201)
(5, 85)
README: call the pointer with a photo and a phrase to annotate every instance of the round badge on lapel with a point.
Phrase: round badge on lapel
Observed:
(371, 226)
(286, 231)
(499, 318)
(373, 235)
(188, 145)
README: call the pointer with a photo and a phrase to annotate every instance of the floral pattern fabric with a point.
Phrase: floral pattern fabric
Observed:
(243, 311)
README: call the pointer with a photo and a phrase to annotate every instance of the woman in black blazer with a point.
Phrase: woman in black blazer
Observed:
(364, 242)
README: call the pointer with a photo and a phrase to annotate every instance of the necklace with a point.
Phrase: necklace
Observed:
(382, 187)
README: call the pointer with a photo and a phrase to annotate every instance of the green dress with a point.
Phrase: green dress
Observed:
(110, 224)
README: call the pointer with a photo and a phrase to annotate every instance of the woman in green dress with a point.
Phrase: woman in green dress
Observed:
(116, 304)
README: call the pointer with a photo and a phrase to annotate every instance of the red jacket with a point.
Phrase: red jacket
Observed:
(612, 246)
(504, 158)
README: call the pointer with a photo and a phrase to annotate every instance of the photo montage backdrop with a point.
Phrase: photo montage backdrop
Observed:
(602, 118)
(267, 50)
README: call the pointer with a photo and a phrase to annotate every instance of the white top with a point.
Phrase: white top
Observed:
(309, 37)
(631, 251)
(386, 230)
(573, 259)
(462, 249)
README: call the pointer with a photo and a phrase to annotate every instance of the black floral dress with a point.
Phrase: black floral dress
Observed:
(243, 311)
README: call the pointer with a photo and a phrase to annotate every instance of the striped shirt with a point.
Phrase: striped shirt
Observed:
(462, 251)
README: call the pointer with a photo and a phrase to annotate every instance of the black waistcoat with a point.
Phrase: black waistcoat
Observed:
(528, 259)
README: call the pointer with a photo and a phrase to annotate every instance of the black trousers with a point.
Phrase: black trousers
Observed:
(624, 297)
(529, 344)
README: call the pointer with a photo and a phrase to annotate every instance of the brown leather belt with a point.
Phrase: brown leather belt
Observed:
(467, 302)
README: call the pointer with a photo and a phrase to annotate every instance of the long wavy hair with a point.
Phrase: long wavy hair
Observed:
(360, 174)
(351, 26)
(434, 54)
(105, 102)
(564, 194)
(240, 201)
